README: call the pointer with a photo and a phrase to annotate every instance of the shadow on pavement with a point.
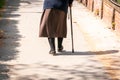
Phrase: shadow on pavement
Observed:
(4, 69)
(9, 24)
(82, 71)
(57, 72)
(67, 53)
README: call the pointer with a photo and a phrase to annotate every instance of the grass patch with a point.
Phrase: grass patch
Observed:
(2, 3)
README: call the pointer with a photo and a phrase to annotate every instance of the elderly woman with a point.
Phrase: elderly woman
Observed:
(53, 22)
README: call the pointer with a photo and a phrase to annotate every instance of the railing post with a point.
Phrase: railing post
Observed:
(92, 5)
(113, 19)
(86, 3)
(102, 9)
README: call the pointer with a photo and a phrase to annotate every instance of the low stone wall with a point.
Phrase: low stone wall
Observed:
(107, 10)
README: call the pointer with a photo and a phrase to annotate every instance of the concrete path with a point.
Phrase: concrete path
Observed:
(24, 56)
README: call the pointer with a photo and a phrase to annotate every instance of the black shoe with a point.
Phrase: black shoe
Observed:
(53, 52)
(60, 49)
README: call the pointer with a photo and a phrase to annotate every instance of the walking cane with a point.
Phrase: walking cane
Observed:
(71, 29)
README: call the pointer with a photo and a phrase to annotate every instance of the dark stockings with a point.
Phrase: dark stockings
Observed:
(60, 40)
(52, 43)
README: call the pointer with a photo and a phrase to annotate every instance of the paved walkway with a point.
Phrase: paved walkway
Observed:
(24, 56)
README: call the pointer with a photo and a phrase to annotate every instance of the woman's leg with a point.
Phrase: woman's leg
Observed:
(52, 45)
(60, 47)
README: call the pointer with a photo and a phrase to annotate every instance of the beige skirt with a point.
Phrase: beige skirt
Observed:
(53, 23)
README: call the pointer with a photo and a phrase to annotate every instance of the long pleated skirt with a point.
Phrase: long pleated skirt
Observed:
(53, 24)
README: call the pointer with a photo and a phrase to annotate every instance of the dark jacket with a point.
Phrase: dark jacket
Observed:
(57, 4)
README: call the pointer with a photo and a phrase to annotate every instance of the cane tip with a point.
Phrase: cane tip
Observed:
(72, 51)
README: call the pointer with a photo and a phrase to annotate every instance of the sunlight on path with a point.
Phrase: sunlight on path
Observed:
(25, 56)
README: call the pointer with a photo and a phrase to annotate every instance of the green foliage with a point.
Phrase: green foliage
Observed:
(118, 1)
(2, 3)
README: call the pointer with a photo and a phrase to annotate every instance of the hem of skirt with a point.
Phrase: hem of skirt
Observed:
(52, 36)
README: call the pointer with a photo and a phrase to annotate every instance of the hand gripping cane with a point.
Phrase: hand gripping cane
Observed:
(71, 29)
